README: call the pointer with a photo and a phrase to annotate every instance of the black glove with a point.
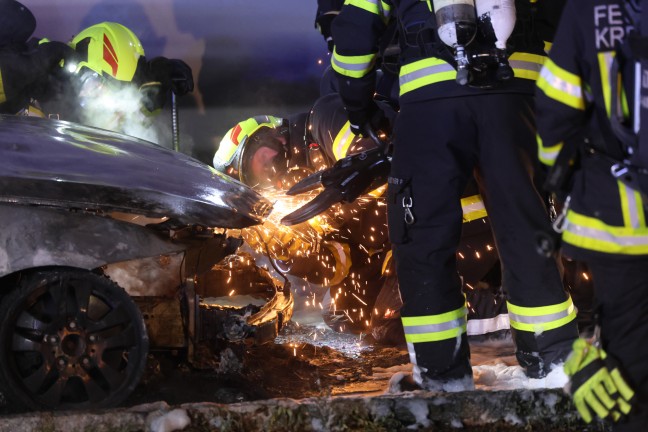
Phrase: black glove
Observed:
(48, 55)
(370, 119)
(173, 74)
(323, 24)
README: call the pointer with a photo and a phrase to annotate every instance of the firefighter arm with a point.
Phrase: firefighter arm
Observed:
(20, 70)
(561, 91)
(546, 19)
(356, 31)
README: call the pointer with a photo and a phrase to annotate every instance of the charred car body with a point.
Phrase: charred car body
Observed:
(109, 247)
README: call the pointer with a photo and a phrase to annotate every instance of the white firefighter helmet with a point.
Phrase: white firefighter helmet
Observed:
(240, 145)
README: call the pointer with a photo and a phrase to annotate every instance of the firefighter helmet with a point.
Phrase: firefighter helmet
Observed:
(108, 49)
(239, 151)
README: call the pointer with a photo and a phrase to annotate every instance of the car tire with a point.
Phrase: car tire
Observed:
(69, 339)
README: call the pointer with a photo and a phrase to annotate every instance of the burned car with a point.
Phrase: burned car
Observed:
(108, 249)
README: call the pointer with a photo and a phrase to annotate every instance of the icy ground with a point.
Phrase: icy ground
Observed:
(494, 363)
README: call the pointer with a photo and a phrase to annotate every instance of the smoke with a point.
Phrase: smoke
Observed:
(119, 110)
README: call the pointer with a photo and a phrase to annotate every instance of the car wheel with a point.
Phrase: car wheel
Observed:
(70, 339)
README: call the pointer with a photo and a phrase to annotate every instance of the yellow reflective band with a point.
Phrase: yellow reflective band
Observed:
(541, 318)
(631, 206)
(368, 5)
(386, 8)
(561, 85)
(352, 66)
(436, 336)
(342, 255)
(388, 257)
(473, 208)
(431, 328)
(547, 46)
(605, 62)
(343, 141)
(525, 65)
(379, 191)
(434, 319)
(3, 96)
(548, 155)
(593, 234)
(424, 72)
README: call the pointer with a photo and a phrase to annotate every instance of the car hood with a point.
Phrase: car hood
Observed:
(63, 164)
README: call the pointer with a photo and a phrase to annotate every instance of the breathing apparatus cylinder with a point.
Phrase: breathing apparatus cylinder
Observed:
(456, 27)
(500, 15)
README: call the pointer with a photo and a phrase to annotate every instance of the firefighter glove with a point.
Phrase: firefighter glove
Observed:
(323, 24)
(595, 383)
(371, 118)
(173, 74)
(48, 55)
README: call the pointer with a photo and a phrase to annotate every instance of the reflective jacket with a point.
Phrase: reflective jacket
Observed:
(574, 102)
(427, 72)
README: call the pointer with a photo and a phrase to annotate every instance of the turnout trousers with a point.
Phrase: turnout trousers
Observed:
(438, 145)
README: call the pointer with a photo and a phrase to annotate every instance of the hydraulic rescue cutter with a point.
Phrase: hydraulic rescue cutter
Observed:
(345, 181)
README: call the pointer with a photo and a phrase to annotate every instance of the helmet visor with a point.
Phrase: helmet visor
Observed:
(265, 158)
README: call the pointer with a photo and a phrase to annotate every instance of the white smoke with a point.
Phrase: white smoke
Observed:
(119, 110)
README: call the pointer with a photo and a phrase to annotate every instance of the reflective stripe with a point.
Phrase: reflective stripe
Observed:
(343, 141)
(3, 95)
(590, 233)
(541, 318)
(548, 155)
(352, 66)
(561, 85)
(473, 208)
(385, 265)
(631, 207)
(605, 62)
(368, 5)
(342, 256)
(386, 9)
(432, 328)
(433, 70)
(424, 72)
(488, 325)
(526, 66)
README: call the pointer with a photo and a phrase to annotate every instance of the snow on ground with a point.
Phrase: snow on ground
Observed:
(494, 363)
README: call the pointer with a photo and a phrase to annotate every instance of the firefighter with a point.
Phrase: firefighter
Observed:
(463, 107)
(589, 113)
(25, 65)
(95, 69)
(354, 259)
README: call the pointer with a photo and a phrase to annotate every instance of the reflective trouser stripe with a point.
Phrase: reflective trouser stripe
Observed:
(541, 318)
(473, 208)
(488, 325)
(431, 328)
